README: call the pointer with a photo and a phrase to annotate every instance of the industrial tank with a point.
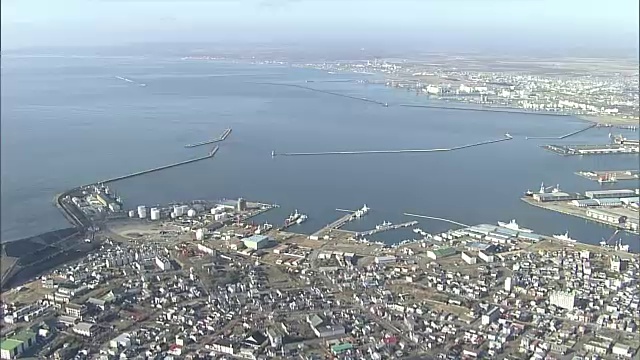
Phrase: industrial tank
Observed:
(155, 214)
(199, 234)
(191, 213)
(132, 213)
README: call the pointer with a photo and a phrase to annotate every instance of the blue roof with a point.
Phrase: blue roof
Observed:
(257, 238)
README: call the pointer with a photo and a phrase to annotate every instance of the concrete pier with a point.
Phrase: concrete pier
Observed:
(385, 228)
(274, 153)
(221, 138)
(210, 155)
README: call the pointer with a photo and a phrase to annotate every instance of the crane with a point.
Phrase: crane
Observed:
(606, 242)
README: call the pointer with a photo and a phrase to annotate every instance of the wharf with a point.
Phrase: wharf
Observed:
(496, 109)
(382, 229)
(562, 136)
(507, 137)
(618, 175)
(221, 138)
(208, 156)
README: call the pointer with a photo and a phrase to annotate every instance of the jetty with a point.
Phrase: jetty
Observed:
(362, 152)
(138, 173)
(220, 138)
(563, 136)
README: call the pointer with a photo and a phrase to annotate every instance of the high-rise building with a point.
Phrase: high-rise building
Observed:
(565, 300)
(507, 284)
(242, 205)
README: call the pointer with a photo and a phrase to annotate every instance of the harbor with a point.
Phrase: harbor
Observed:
(609, 176)
(363, 152)
(211, 154)
(222, 137)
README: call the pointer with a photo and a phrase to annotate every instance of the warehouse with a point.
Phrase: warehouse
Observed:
(614, 218)
(630, 200)
(554, 196)
(257, 242)
(585, 203)
(603, 194)
(15, 345)
(441, 253)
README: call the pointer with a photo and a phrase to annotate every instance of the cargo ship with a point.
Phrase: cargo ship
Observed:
(565, 237)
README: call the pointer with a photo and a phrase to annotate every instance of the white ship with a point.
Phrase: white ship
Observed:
(302, 218)
(362, 212)
(384, 225)
(513, 225)
(565, 237)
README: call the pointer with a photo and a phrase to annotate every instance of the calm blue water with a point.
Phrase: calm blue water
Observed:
(69, 121)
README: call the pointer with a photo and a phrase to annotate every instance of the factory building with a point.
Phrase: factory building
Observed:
(603, 194)
(630, 200)
(468, 258)
(108, 201)
(491, 316)
(563, 300)
(257, 242)
(554, 196)
(384, 260)
(13, 346)
(485, 256)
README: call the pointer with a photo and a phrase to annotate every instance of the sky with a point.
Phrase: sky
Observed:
(28, 23)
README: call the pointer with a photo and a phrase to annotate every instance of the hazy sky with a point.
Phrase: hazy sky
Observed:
(28, 23)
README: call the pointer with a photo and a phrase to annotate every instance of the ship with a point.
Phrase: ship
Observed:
(362, 212)
(292, 218)
(384, 225)
(513, 225)
(302, 218)
(565, 237)
(607, 178)
(528, 193)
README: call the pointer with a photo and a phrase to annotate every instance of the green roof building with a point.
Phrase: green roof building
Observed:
(13, 346)
(340, 348)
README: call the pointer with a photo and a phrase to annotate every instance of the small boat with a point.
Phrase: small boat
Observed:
(528, 193)
(565, 237)
(302, 218)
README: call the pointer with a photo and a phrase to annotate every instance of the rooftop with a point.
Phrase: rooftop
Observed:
(10, 344)
(256, 238)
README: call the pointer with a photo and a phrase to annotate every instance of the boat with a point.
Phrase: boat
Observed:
(513, 225)
(528, 193)
(607, 178)
(565, 237)
(292, 218)
(302, 218)
(384, 225)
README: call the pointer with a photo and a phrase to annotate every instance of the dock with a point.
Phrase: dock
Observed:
(618, 175)
(208, 156)
(362, 152)
(334, 225)
(221, 138)
(591, 126)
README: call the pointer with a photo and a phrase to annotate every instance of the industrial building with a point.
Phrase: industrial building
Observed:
(257, 242)
(107, 201)
(603, 194)
(13, 346)
(555, 196)
(441, 253)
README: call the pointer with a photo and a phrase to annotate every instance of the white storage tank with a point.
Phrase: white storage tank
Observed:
(132, 214)
(191, 213)
(199, 234)
(142, 211)
(155, 214)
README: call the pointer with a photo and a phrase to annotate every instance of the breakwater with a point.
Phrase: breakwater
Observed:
(362, 152)
(222, 137)
(208, 156)
(436, 218)
(592, 125)
(326, 92)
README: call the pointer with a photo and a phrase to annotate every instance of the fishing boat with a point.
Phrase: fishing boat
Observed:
(513, 225)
